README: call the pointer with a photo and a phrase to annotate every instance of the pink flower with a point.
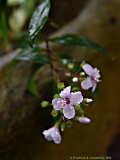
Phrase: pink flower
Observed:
(52, 134)
(67, 101)
(92, 79)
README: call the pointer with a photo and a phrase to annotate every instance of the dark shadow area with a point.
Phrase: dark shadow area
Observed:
(114, 148)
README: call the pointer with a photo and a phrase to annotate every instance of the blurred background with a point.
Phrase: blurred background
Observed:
(21, 118)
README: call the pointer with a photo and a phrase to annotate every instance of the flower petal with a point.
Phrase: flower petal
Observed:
(47, 134)
(88, 69)
(96, 73)
(56, 136)
(65, 92)
(76, 98)
(69, 112)
(57, 103)
(94, 86)
(52, 134)
(87, 83)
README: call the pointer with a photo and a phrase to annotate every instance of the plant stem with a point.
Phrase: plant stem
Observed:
(51, 64)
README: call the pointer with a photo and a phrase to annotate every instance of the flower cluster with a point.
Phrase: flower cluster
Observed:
(68, 104)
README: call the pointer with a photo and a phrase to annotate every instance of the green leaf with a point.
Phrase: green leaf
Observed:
(22, 40)
(31, 82)
(32, 54)
(3, 22)
(75, 40)
(39, 18)
(63, 56)
(54, 25)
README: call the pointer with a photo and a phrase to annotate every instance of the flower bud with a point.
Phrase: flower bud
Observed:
(75, 79)
(44, 104)
(84, 120)
(82, 73)
(70, 66)
(88, 100)
(68, 74)
(54, 113)
(64, 61)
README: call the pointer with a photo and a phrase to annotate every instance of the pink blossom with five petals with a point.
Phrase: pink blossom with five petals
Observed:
(67, 101)
(92, 79)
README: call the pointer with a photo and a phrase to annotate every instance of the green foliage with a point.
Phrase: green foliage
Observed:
(81, 111)
(32, 54)
(22, 41)
(39, 18)
(60, 85)
(3, 22)
(31, 82)
(63, 56)
(56, 95)
(75, 40)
